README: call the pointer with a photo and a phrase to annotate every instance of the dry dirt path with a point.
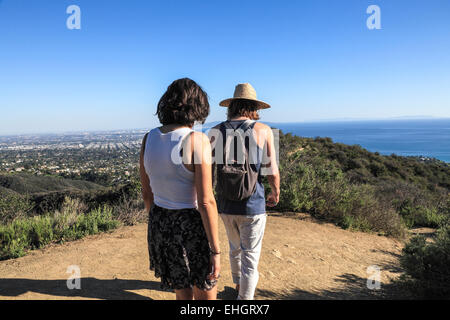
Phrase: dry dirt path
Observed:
(301, 259)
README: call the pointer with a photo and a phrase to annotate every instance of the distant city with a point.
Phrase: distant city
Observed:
(113, 154)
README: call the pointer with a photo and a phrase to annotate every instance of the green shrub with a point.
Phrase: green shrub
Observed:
(40, 232)
(422, 217)
(322, 189)
(12, 206)
(296, 189)
(96, 221)
(13, 240)
(417, 207)
(377, 169)
(427, 264)
(359, 189)
(354, 223)
(35, 232)
(55, 201)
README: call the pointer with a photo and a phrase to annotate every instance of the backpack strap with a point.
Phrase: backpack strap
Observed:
(227, 125)
(242, 129)
(247, 124)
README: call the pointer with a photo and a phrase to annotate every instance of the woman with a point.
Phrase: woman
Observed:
(175, 169)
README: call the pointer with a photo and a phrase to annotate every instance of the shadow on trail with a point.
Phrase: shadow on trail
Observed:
(351, 287)
(114, 289)
(228, 293)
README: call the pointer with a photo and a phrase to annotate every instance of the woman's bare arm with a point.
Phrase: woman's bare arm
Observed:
(147, 193)
(205, 197)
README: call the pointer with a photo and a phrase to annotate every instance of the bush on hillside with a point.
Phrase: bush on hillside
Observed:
(321, 189)
(53, 201)
(13, 206)
(427, 264)
(360, 189)
(130, 211)
(417, 207)
(25, 234)
(26, 183)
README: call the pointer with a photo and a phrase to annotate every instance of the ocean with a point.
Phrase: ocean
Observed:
(427, 138)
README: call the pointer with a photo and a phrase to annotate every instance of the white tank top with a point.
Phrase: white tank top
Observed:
(171, 182)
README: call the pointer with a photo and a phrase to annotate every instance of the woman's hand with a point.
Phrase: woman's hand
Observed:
(215, 267)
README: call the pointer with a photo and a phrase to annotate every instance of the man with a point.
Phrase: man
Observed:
(244, 151)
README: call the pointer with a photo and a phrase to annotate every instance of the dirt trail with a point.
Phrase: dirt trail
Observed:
(301, 259)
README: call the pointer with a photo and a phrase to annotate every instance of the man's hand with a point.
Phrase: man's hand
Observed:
(273, 199)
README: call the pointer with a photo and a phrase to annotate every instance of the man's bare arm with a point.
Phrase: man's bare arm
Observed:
(272, 171)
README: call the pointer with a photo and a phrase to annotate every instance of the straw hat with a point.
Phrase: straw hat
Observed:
(245, 91)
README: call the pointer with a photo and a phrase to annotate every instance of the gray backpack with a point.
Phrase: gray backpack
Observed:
(236, 179)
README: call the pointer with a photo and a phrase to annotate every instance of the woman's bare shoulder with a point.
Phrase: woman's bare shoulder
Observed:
(144, 141)
(198, 138)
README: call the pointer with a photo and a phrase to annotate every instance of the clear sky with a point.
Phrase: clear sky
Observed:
(310, 59)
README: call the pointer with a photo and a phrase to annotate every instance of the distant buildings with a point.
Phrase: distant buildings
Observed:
(113, 154)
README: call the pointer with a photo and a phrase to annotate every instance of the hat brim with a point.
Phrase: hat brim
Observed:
(261, 104)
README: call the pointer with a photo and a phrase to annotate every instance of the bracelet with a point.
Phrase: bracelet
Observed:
(214, 253)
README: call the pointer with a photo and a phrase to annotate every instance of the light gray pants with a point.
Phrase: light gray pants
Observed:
(245, 234)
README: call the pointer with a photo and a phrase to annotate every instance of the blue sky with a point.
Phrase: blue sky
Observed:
(312, 59)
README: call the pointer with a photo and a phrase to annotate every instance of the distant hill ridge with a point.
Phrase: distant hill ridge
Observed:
(24, 183)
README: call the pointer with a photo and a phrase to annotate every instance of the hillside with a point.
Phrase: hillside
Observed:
(301, 259)
(27, 194)
(24, 183)
(360, 189)
(5, 191)
(362, 166)
(345, 184)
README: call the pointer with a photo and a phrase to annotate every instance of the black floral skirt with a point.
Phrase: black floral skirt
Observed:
(179, 249)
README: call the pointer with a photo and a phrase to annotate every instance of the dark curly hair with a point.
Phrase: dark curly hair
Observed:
(243, 108)
(184, 103)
